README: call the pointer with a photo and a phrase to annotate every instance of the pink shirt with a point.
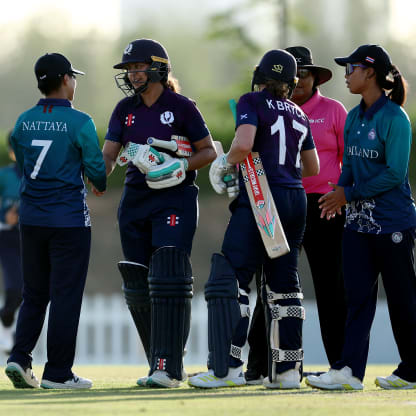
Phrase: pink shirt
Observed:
(327, 119)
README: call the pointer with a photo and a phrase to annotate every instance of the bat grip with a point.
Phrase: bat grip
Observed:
(163, 144)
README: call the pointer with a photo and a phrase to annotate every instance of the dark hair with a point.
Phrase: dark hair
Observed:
(9, 137)
(278, 89)
(395, 83)
(47, 86)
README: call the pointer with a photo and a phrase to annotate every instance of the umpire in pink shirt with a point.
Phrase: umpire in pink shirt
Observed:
(322, 239)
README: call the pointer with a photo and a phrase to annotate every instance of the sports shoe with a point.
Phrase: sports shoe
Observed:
(253, 377)
(335, 380)
(161, 378)
(394, 382)
(209, 380)
(6, 338)
(73, 383)
(289, 379)
(142, 381)
(21, 378)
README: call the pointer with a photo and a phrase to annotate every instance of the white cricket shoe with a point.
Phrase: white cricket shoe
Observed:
(6, 338)
(161, 378)
(335, 380)
(209, 380)
(21, 379)
(74, 383)
(394, 382)
(142, 381)
(289, 379)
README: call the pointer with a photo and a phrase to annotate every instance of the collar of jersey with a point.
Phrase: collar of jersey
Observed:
(369, 114)
(55, 101)
(160, 101)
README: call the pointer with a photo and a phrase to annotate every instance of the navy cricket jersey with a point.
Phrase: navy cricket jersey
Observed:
(171, 114)
(55, 145)
(375, 172)
(283, 131)
(10, 177)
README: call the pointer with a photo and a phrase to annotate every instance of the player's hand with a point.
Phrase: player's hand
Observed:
(219, 170)
(94, 190)
(332, 202)
(170, 173)
(12, 216)
(147, 157)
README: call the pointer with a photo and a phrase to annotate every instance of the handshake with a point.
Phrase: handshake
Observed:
(161, 169)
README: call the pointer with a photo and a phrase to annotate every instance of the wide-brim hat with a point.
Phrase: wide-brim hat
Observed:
(304, 59)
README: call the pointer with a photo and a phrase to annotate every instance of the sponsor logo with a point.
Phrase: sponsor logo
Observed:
(129, 120)
(397, 237)
(167, 118)
(172, 220)
(371, 134)
(317, 121)
(161, 363)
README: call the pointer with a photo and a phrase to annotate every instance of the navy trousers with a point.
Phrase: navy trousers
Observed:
(55, 265)
(366, 256)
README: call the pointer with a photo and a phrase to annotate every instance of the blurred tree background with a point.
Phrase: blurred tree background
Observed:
(213, 56)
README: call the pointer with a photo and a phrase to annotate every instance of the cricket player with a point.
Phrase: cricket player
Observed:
(158, 212)
(267, 122)
(56, 146)
(10, 177)
(380, 220)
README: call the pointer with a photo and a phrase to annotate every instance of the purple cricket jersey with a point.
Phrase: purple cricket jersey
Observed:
(171, 114)
(283, 131)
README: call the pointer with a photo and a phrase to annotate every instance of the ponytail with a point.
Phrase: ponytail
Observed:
(395, 83)
(172, 83)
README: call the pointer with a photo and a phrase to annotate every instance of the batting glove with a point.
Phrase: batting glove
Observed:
(219, 170)
(170, 173)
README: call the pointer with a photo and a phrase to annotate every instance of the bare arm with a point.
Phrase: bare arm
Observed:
(204, 153)
(110, 152)
(310, 163)
(242, 143)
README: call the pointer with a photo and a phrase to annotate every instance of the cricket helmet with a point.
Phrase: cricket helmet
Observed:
(148, 51)
(278, 65)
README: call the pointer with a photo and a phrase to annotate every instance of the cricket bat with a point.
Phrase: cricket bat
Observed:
(262, 203)
(177, 144)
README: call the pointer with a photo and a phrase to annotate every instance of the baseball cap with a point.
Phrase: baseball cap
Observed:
(369, 55)
(52, 65)
(303, 58)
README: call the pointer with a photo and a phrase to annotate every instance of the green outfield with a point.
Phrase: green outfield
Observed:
(114, 393)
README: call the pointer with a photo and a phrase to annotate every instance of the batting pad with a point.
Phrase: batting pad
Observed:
(224, 314)
(170, 284)
(136, 293)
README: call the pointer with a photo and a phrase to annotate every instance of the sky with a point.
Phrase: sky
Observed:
(90, 14)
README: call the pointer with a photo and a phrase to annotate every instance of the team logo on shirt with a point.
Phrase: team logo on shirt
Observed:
(243, 116)
(167, 118)
(397, 237)
(172, 220)
(371, 134)
(129, 120)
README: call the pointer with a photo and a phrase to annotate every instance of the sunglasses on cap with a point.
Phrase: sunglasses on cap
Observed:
(349, 68)
(303, 73)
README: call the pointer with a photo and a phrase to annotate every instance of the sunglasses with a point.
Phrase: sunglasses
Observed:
(303, 73)
(349, 68)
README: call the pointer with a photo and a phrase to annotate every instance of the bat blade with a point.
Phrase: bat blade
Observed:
(263, 206)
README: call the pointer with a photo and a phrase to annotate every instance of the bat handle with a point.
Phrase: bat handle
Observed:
(163, 144)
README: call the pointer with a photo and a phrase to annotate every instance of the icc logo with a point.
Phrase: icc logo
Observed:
(167, 118)
(128, 49)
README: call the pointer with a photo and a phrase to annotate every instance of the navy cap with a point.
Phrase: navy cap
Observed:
(53, 65)
(370, 55)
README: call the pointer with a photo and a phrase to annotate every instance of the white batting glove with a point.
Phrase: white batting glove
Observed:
(147, 157)
(219, 169)
(171, 172)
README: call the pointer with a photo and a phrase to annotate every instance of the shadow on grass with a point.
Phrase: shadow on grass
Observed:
(111, 394)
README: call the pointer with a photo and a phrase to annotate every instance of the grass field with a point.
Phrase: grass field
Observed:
(115, 393)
